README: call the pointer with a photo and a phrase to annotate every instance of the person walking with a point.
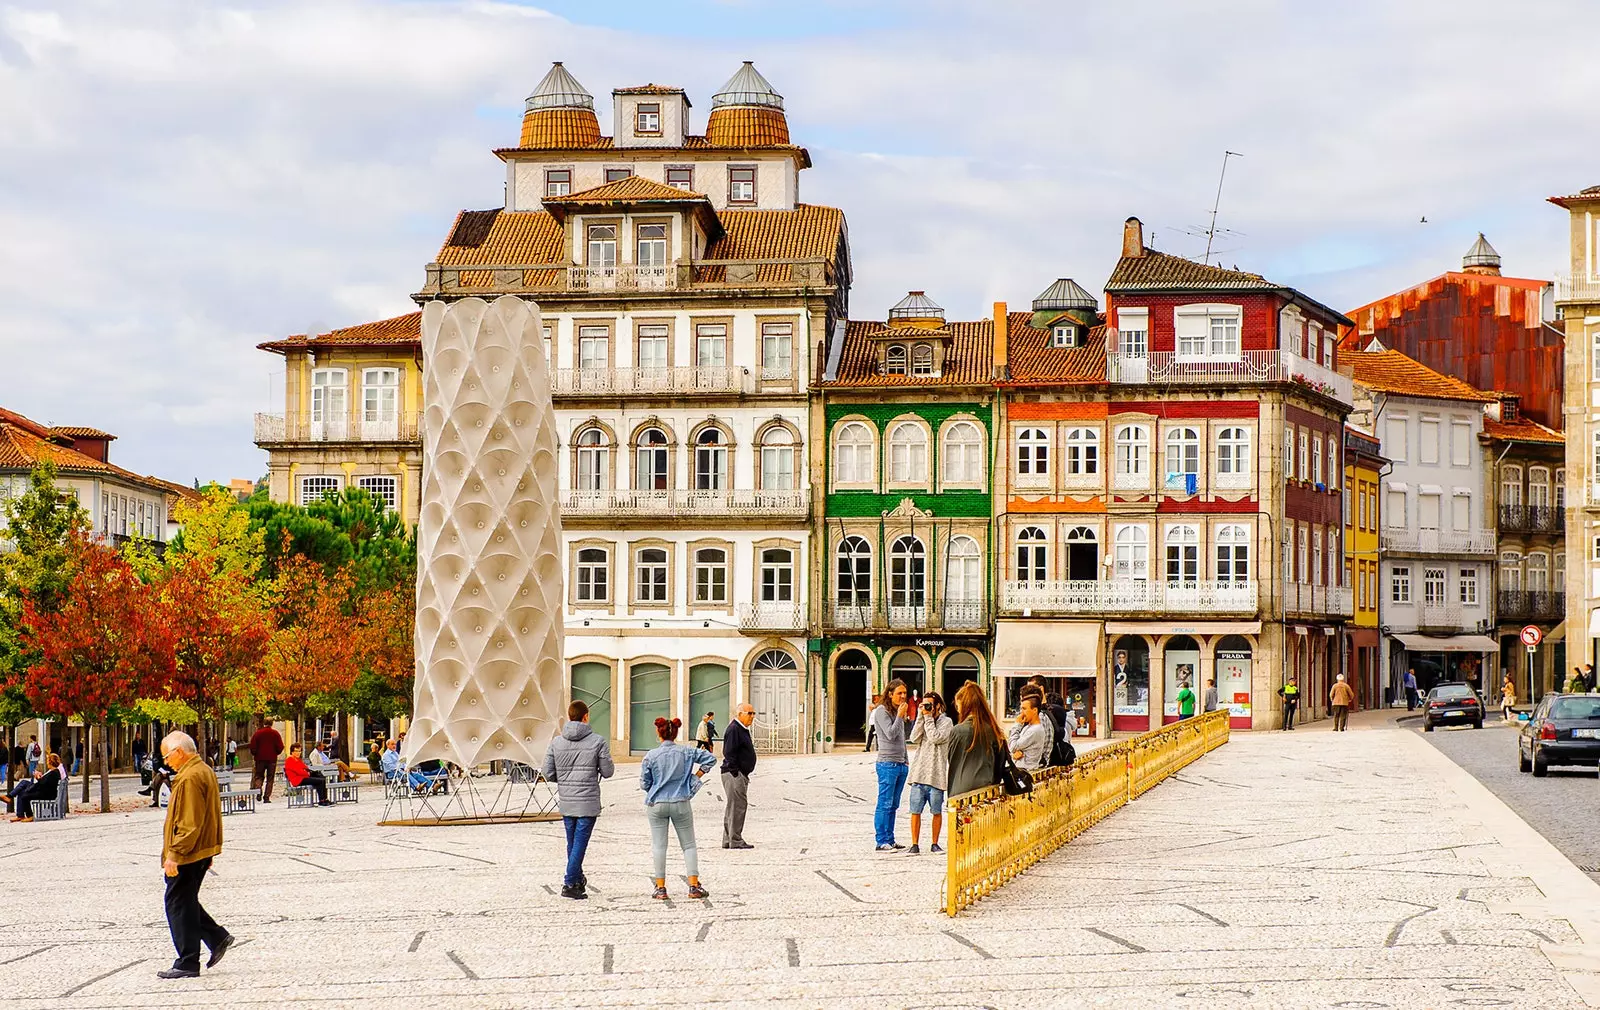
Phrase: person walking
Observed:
(1030, 741)
(706, 735)
(1575, 684)
(1290, 693)
(1508, 699)
(1341, 697)
(1186, 700)
(576, 761)
(1411, 689)
(35, 753)
(738, 761)
(232, 751)
(974, 745)
(1588, 677)
(670, 776)
(872, 706)
(929, 772)
(890, 722)
(140, 749)
(265, 746)
(190, 839)
(1210, 703)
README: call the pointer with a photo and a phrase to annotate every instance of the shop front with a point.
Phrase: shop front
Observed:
(1149, 663)
(1130, 684)
(1448, 659)
(1065, 654)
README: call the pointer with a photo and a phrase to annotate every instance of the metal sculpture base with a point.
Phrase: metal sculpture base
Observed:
(463, 798)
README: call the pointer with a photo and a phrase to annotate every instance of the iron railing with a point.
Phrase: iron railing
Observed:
(686, 380)
(1439, 541)
(1518, 605)
(1257, 366)
(948, 616)
(1305, 598)
(1572, 288)
(1532, 519)
(794, 504)
(994, 837)
(772, 617)
(622, 277)
(1090, 596)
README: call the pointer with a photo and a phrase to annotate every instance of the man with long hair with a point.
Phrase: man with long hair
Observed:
(890, 721)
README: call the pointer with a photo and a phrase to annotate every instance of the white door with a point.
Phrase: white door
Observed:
(380, 403)
(329, 408)
(776, 697)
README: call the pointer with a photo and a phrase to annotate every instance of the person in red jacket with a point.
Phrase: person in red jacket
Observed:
(295, 770)
(265, 746)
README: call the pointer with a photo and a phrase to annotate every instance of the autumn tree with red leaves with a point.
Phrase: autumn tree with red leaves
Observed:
(104, 644)
(318, 644)
(221, 629)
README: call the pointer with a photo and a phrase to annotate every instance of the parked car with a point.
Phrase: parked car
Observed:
(1563, 730)
(1452, 703)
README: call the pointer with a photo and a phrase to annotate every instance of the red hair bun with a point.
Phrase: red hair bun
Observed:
(668, 729)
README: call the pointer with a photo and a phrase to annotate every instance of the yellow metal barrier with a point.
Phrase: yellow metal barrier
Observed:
(994, 837)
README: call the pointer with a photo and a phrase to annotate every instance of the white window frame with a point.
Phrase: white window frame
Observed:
(1400, 584)
(908, 454)
(1033, 455)
(855, 457)
(961, 457)
(313, 488)
(1081, 451)
(384, 488)
(1132, 466)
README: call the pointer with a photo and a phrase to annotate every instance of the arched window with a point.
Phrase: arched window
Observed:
(1033, 555)
(1511, 486)
(963, 584)
(908, 453)
(1131, 557)
(1183, 456)
(777, 575)
(710, 461)
(1233, 457)
(922, 360)
(895, 359)
(711, 576)
(1233, 553)
(853, 456)
(1511, 571)
(1538, 572)
(651, 472)
(775, 660)
(1183, 554)
(1082, 452)
(1133, 455)
(777, 459)
(1033, 452)
(594, 471)
(963, 454)
(854, 585)
(908, 565)
(1539, 486)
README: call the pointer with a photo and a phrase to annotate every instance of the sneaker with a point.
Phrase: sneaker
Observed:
(696, 891)
(896, 845)
(660, 893)
(935, 847)
(574, 891)
(915, 850)
(886, 847)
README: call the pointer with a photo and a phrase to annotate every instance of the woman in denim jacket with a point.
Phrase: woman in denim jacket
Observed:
(670, 776)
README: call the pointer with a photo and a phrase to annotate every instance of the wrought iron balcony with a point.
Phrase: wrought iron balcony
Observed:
(790, 617)
(949, 616)
(1516, 606)
(1532, 519)
(1258, 366)
(774, 504)
(1304, 598)
(280, 429)
(1087, 596)
(511, 278)
(1417, 541)
(680, 380)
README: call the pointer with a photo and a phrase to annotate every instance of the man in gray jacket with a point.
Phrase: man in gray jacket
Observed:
(576, 762)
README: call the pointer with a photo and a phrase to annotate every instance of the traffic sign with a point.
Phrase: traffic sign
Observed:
(1532, 636)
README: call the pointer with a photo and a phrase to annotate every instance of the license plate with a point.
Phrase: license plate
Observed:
(1586, 734)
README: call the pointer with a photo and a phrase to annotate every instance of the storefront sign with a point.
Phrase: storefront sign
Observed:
(928, 643)
(1233, 682)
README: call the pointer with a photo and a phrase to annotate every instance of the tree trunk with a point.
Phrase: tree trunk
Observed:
(105, 771)
(86, 753)
(200, 736)
(11, 766)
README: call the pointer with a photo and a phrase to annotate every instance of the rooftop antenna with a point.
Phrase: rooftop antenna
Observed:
(1211, 232)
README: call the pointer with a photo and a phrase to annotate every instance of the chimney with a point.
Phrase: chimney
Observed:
(1002, 368)
(1132, 238)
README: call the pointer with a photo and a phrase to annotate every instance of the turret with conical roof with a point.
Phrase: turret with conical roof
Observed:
(1481, 258)
(560, 113)
(747, 112)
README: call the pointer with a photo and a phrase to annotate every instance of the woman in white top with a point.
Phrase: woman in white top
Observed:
(930, 767)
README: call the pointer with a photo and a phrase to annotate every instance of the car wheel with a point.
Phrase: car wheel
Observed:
(1523, 764)
(1541, 767)
(1427, 726)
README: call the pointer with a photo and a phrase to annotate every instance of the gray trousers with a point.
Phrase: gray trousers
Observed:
(679, 814)
(737, 788)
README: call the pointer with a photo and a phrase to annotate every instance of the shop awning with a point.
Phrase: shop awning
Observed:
(1183, 628)
(1558, 633)
(1048, 648)
(1451, 643)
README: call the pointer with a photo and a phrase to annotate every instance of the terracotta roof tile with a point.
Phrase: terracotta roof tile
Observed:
(690, 143)
(400, 331)
(1392, 372)
(649, 89)
(25, 443)
(633, 189)
(81, 431)
(1523, 429)
(561, 129)
(1032, 359)
(968, 361)
(1161, 270)
(747, 126)
(807, 232)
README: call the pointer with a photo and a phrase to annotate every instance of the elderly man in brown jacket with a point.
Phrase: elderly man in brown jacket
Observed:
(191, 837)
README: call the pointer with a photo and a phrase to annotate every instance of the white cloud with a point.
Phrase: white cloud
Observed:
(183, 180)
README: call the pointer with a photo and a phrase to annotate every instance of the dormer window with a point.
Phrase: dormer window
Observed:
(1064, 336)
(895, 360)
(680, 176)
(557, 181)
(618, 174)
(741, 184)
(647, 118)
(922, 360)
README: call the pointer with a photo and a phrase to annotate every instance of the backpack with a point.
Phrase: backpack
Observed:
(1062, 753)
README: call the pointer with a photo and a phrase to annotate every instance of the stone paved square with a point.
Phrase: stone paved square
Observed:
(1283, 870)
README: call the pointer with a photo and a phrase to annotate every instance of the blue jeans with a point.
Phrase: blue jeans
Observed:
(578, 831)
(891, 779)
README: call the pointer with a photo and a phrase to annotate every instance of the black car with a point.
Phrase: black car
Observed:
(1452, 703)
(1564, 730)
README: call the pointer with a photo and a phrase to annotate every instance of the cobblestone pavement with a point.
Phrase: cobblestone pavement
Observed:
(1285, 870)
(1564, 806)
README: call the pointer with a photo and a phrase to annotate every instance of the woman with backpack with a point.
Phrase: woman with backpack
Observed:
(930, 767)
(670, 776)
(974, 743)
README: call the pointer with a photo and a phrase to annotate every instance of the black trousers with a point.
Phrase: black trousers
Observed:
(1288, 713)
(190, 924)
(318, 784)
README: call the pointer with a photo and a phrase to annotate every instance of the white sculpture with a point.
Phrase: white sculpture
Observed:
(489, 572)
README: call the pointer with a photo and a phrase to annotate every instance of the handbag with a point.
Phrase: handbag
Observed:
(1013, 780)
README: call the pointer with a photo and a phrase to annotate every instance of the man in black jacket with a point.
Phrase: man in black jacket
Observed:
(738, 761)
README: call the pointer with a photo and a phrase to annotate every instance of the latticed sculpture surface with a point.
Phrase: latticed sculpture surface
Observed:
(489, 574)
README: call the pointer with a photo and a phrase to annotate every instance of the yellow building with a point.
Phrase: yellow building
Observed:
(1363, 464)
(351, 403)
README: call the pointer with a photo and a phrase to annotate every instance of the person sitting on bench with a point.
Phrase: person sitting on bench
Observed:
(295, 770)
(45, 785)
(329, 766)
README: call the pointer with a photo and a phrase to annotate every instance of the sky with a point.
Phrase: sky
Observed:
(180, 181)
